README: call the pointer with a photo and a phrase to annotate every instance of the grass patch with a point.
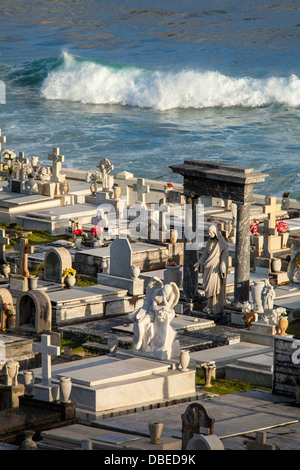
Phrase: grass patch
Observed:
(37, 237)
(82, 281)
(223, 386)
(75, 345)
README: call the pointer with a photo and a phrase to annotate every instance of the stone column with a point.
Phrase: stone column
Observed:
(242, 254)
(190, 276)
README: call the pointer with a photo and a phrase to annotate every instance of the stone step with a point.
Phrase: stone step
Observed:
(250, 375)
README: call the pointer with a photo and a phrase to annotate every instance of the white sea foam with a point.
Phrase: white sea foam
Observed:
(95, 83)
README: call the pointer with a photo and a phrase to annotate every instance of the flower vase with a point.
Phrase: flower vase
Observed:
(33, 282)
(93, 188)
(117, 192)
(155, 431)
(173, 236)
(184, 360)
(78, 243)
(284, 239)
(28, 443)
(135, 271)
(11, 321)
(276, 265)
(283, 325)
(105, 265)
(65, 385)
(6, 270)
(70, 281)
(28, 383)
(256, 292)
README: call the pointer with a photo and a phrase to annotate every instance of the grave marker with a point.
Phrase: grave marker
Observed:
(46, 350)
(57, 160)
(105, 168)
(25, 250)
(141, 189)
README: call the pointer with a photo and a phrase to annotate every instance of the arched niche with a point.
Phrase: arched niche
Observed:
(34, 312)
(55, 262)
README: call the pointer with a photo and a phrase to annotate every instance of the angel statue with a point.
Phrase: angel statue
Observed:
(153, 334)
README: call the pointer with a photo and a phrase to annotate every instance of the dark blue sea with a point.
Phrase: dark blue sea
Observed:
(148, 83)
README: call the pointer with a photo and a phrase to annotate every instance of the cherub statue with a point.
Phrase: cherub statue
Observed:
(153, 333)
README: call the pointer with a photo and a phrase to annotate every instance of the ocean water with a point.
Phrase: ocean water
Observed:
(147, 84)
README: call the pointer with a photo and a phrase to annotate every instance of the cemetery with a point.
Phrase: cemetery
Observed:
(167, 288)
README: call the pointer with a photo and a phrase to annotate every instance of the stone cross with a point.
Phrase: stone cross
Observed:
(141, 189)
(105, 168)
(46, 350)
(3, 242)
(25, 249)
(21, 161)
(271, 208)
(57, 160)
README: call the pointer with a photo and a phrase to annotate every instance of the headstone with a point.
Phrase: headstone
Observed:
(34, 312)
(120, 258)
(55, 262)
(57, 160)
(272, 242)
(195, 417)
(46, 391)
(141, 189)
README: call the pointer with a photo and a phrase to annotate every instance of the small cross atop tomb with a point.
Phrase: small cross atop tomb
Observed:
(105, 167)
(141, 189)
(57, 160)
(272, 242)
(21, 163)
(25, 250)
(3, 242)
(46, 350)
(271, 208)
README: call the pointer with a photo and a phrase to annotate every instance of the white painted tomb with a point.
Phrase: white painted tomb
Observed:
(106, 383)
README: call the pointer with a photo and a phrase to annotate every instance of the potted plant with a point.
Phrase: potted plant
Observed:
(78, 237)
(282, 228)
(69, 277)
(173, 273)
(7, 310)
(8, 155)
(96, 233)
(283, 322)
(94, 180)
(249, 314)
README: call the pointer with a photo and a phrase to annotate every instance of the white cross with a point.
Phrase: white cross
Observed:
(46, 350)
(56, 164)
(105, 168)
(141, 189)
(3, 241)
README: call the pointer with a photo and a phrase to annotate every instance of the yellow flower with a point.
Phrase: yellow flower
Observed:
(298, 260)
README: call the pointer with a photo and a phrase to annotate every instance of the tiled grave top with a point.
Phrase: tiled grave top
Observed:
(85, 293)
(62, 212)
(106, 370)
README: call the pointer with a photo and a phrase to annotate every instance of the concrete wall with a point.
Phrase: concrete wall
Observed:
(286, 375)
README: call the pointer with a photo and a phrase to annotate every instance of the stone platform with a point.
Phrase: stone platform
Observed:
(104, 384)
(86, 303)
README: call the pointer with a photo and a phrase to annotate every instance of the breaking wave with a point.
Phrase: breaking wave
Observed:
(96, 82)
